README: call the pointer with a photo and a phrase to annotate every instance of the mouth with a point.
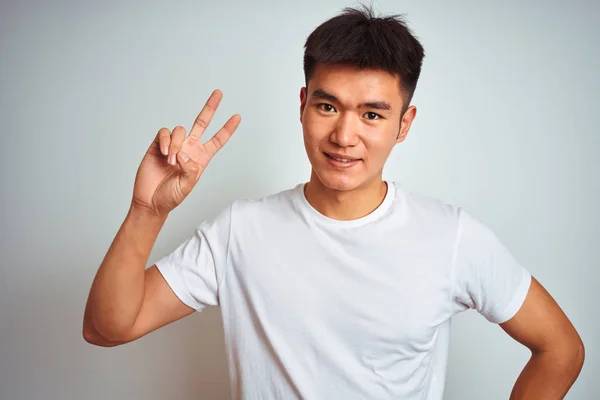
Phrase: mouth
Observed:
(341, 160)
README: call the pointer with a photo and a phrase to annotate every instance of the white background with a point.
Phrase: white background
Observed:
(507, 127)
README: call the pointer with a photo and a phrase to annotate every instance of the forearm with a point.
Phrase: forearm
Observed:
(548, 375)
(117, 292)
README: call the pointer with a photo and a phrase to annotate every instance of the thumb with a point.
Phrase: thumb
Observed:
(189, 171)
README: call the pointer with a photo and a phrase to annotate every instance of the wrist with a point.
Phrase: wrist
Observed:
(143, 215)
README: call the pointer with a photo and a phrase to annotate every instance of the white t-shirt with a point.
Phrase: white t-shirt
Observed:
(316, 308)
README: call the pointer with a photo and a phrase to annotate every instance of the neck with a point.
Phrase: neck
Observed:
(345, 205)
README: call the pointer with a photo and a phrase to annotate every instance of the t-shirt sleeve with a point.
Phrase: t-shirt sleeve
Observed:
(486, 275)
(195, 269)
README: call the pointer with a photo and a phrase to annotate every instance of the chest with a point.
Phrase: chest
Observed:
(373, 295)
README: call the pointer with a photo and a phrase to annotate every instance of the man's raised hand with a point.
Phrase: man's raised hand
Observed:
(174, 162)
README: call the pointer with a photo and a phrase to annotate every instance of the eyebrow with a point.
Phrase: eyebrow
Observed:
(378, 105)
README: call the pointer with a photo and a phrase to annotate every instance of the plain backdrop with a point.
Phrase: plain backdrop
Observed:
(507, 127)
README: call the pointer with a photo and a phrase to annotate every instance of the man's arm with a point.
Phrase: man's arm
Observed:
(557, 350)
(126, 300)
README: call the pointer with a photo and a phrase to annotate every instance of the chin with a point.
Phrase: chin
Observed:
(342, 182)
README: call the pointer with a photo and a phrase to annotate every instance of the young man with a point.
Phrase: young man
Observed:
(343, 287)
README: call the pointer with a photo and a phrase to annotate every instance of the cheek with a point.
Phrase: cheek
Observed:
(315, 129)
(380, 144)
(312, 139)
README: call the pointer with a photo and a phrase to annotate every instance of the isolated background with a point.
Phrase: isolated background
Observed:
(507, 127)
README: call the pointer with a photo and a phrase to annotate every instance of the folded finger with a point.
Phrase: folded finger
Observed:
(177, 138)
(164, 140)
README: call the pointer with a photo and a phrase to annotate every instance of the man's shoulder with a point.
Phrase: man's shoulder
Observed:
(273, 202)
(425, 204)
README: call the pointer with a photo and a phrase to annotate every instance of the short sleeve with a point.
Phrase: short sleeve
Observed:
(487, 277)
(194, 270)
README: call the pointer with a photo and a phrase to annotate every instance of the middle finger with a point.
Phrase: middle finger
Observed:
(205, 116)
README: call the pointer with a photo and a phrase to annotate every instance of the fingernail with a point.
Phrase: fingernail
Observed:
(184, 157)
(172, 159)
(165, 150)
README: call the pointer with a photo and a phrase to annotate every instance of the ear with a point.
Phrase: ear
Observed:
(303, 97)
(406, 122)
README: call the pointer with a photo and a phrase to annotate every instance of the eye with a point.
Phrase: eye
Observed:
(372, 116)
(326, 107)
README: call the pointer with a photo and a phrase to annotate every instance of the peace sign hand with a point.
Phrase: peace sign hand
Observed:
(173, 163)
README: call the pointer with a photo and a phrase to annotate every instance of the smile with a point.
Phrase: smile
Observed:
(339, 160)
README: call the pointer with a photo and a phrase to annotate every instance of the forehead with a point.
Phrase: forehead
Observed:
(354, 85)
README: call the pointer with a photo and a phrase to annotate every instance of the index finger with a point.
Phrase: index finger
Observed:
(206, 114)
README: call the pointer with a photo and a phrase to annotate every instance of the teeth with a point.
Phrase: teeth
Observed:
(341, 159)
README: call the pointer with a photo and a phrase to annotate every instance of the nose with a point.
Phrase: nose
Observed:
(346, 131)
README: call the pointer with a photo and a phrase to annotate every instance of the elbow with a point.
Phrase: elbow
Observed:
(96, 340)
(568, 357)
(92, 336)
(574, 359)
(100, 331)
(579, 350)
(574, 354)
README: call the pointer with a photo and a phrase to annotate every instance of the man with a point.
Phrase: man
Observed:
(343, 287)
